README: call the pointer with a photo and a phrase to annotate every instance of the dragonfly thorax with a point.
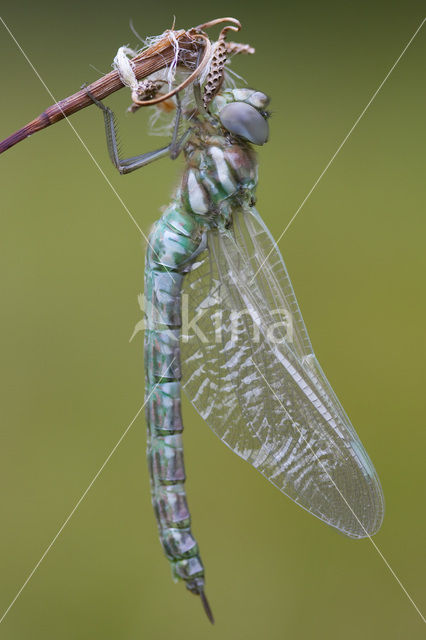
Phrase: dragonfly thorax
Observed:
(220, 175)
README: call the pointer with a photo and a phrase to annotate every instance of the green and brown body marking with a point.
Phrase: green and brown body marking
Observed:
(220, 174)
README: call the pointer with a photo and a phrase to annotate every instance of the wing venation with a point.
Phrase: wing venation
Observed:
(250, 371)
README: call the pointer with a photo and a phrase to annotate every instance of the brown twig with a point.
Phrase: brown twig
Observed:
(156, 57)
(159, 55)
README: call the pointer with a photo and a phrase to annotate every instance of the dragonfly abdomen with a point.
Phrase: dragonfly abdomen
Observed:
(173, 241)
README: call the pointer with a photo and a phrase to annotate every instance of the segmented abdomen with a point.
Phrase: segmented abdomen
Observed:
(172, 243)
(219, 175)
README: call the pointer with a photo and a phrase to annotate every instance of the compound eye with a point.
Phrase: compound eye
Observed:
(245, 121)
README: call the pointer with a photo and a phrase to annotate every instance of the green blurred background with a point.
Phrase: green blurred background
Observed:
(71, 266)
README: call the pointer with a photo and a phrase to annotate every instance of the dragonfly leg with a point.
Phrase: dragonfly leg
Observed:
(197, 92)
(177, 144)
(198, 98)
(127, 165)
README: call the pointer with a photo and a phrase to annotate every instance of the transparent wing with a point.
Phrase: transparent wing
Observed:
(249, 370)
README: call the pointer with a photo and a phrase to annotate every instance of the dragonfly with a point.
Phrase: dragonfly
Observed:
(256, 382)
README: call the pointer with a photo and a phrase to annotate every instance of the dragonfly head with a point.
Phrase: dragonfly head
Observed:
(242, 112)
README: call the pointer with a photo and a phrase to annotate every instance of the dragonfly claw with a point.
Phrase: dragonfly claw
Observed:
(97, 102)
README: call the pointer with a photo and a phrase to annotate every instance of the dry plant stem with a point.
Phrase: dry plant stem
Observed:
(212, 23)
(185, 83)
(156, 57)
(152, 59)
